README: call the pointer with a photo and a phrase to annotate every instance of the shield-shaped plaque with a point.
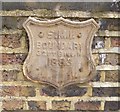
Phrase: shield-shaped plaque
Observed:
(59, 51)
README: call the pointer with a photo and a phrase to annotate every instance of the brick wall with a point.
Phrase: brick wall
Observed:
(19, 93)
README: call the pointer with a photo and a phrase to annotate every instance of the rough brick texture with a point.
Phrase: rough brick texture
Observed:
(61, 105)
(10, 40)
(9, 75)
(112, 76)
(12, 75)
(69, 91)
(87, 106)
(13, 104)
(12, 58)
(97, 77)
(112, 106)
(19, 93)
(37, 105)
(106, 91)
(112, 59)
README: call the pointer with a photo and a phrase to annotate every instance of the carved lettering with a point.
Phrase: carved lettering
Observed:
(60, 34)
(50, 34)
(59, 62)
(58, 51)
(48, 45)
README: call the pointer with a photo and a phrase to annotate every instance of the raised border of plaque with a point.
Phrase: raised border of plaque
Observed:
(60, 51)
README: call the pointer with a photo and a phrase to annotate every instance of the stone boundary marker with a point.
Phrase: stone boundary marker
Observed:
(18, 93)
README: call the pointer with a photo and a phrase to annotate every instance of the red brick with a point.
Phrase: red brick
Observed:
(10, 40)
(10, 91)
(87, 105)
(115, 42)
(13, 104)
(37, 105)
(18, 91)
(12, 58)
(61, 105)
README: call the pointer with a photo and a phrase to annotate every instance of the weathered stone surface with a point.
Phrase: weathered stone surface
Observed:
(87, 105)
(106, 91)
(61, 105)
(61, 51)
(37, 105)
(93, 7)
(64, 13)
